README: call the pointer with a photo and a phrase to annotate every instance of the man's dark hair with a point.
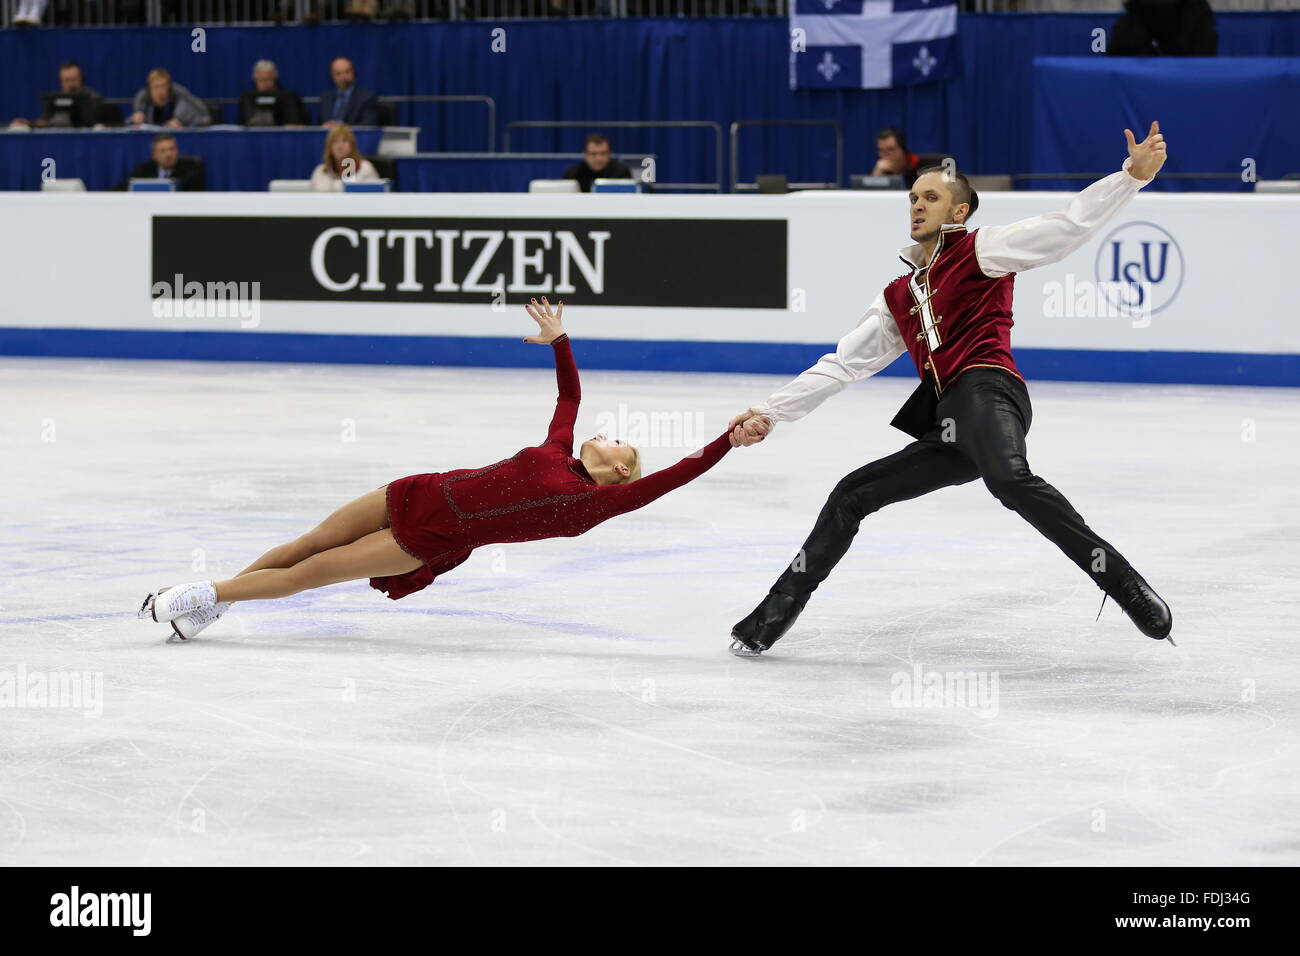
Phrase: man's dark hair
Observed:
(162, 138)
(962, 190)
(597, 138)
(895, 132)
(71, 65)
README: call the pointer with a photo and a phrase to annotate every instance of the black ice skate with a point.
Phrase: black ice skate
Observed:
(766, 624)
(1143, 606)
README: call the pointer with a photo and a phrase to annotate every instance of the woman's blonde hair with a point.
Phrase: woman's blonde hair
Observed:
(343, 130)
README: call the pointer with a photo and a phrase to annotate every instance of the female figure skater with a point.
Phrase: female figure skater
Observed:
(405, 534)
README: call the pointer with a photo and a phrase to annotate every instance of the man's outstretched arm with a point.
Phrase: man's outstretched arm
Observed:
(863, 352)
(1042, 240)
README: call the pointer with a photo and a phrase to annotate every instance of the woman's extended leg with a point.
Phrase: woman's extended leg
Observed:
(374, 555)
(353, 521)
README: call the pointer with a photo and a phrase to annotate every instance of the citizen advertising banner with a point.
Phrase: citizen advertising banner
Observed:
(717, 263)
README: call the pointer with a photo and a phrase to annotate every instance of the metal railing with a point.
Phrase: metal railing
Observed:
(715, 186)
(738, 186)
(1108, 6)
(489, 102)
(1096, 176)
(76, 13)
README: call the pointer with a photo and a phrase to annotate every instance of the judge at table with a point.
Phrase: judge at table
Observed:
(168, 163)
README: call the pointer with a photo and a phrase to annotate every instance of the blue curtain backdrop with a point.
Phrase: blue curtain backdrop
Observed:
(720, 70)
(1218, 113)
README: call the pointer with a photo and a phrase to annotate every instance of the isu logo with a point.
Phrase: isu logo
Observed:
(1140, 267)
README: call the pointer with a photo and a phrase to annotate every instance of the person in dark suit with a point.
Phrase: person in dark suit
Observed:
(93, 108)
(598, 162)
(347, 102)
(269, 104)
(168, 163)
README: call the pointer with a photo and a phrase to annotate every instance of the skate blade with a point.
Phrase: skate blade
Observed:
(146, 609)
(1170, 639)
(176, 637)
(740, 650)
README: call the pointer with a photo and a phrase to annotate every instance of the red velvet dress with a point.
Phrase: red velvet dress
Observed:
(541, 492)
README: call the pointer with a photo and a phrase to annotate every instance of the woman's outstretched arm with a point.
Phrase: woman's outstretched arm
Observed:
(637, 494)
(551, 332)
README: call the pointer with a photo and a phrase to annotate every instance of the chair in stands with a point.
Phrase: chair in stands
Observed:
(386, 167)
(991, 184)
(1290, 183)
(109, 115)
(553, 186)
(215, 115)
(387, 112)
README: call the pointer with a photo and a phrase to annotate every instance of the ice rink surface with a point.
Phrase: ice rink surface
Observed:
(572, 701)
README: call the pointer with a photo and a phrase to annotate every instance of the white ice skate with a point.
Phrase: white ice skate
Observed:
(170, 603)
(188, 625)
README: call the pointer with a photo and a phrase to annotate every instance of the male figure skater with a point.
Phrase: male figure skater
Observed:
(952, 313)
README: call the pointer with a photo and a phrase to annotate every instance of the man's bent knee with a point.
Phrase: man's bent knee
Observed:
(1010, 486)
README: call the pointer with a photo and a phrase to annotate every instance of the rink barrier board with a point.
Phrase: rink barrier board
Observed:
(703, 314)
(1155, 367)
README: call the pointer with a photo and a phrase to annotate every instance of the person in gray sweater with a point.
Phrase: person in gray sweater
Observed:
(164, 103)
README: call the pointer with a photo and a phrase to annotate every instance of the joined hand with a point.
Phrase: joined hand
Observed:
(749, 428)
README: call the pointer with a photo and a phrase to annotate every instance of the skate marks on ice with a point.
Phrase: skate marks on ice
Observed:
(573, 701)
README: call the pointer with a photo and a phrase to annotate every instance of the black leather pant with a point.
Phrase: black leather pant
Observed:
(979, 432)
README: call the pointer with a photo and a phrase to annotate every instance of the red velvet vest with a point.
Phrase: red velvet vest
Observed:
(953, 316)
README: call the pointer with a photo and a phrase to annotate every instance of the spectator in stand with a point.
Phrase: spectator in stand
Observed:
(893, 157)
(164, 103)
(268, 103)
(29, 13)
(168, 163)
(567, 8)
(598, 162)
(342, 162)
(347, 102)
(1165, 28)
(72, 83)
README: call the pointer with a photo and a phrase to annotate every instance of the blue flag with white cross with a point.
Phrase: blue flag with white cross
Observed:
(871, 44)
